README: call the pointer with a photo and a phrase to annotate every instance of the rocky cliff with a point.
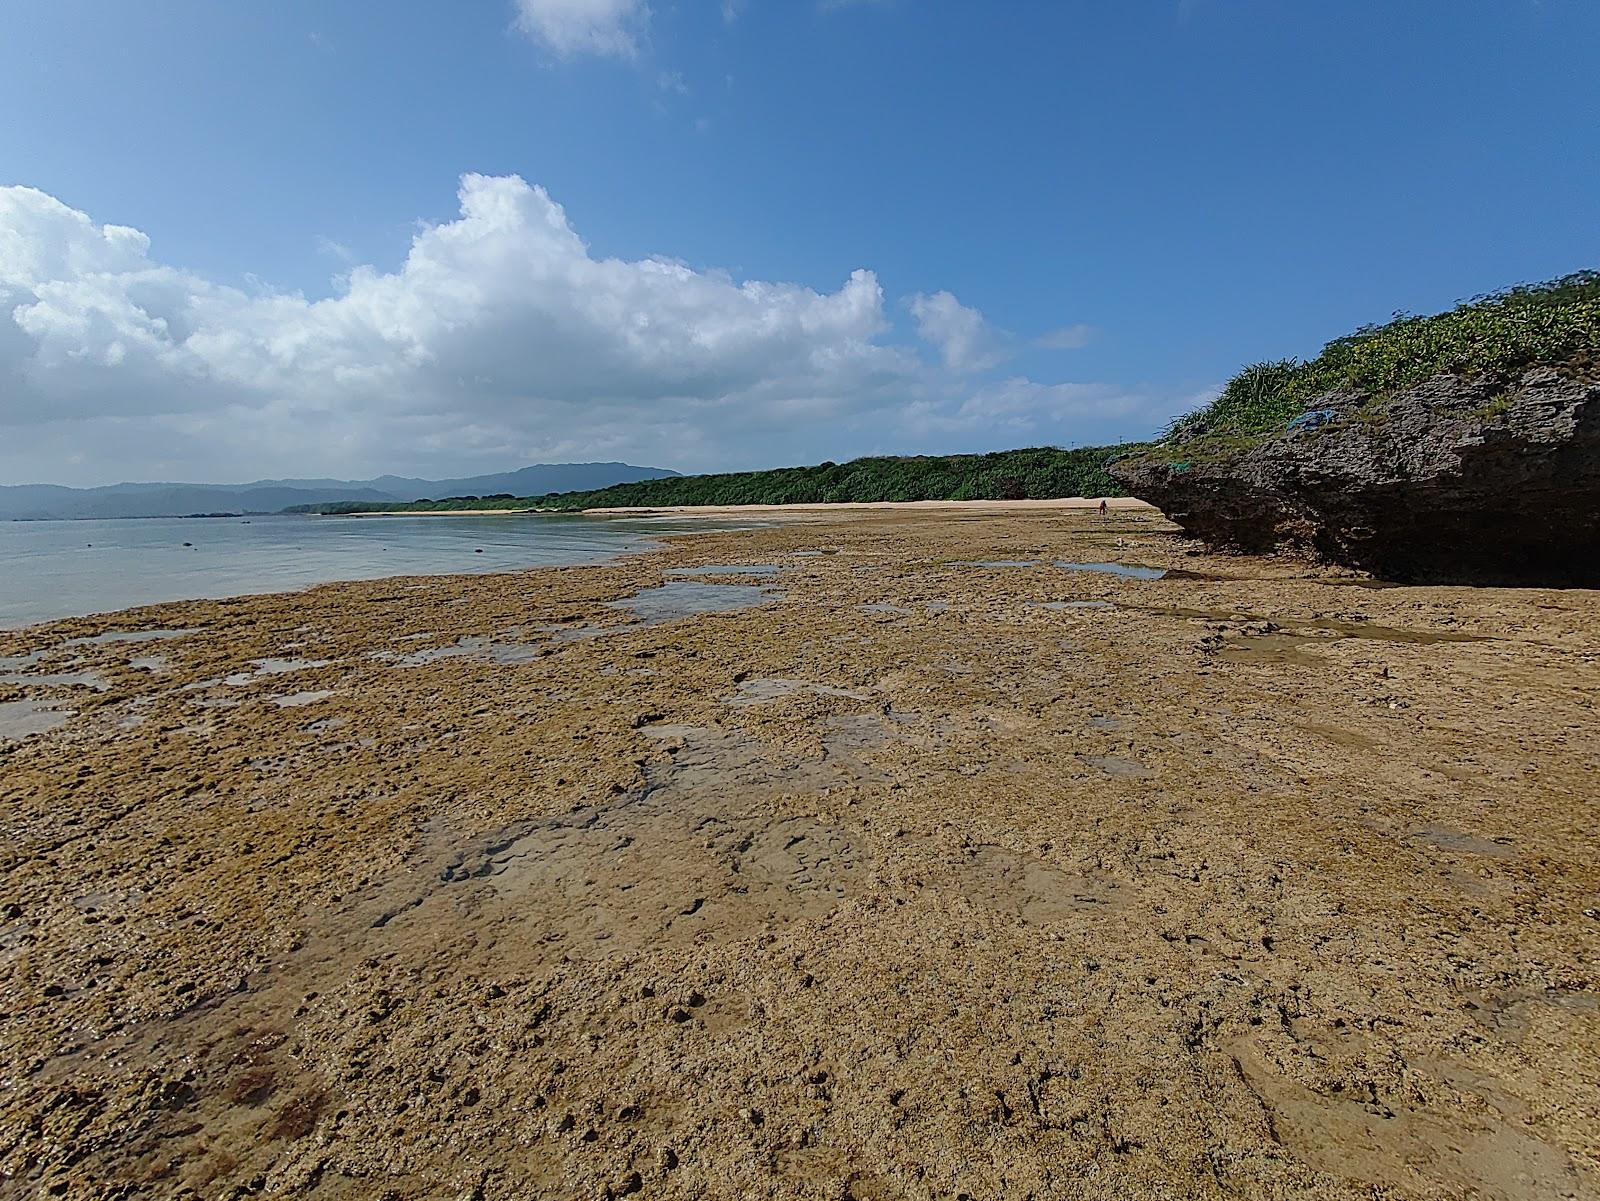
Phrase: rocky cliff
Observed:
(1455, 480)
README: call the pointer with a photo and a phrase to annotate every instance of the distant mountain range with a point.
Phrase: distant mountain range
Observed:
(30, 502)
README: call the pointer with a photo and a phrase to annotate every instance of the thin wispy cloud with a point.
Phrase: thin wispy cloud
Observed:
(1067, 337)
(570, 28)
(336, 250)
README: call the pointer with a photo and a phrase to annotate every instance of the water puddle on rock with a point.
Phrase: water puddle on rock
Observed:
(767, 690)
(1127, 571)
(669, 602)
(15, 666)
(20, 719)
(127, 636)
(272, 667)
(688, 598)
(295, 700)
(57, 679)
(471, 646)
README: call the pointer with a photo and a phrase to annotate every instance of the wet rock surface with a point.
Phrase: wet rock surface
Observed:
(918, 882)
(1453, 481)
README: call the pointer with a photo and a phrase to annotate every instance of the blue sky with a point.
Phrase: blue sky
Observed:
(1077, 218)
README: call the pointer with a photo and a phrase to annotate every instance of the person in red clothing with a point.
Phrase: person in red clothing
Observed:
(1102, 506)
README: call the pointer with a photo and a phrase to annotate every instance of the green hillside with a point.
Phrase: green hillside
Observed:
(1037, 473)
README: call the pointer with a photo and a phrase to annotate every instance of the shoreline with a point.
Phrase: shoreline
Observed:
(1067, 503)
(878, 873)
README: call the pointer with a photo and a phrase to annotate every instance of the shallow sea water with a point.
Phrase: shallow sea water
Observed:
(51, 569)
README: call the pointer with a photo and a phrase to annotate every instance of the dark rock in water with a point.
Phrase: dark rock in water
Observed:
(1452, 481)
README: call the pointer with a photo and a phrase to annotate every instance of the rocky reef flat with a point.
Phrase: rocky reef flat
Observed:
(897, 855)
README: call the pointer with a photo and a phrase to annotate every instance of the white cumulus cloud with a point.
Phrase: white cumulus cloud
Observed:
(499, 326)
(962, 337)
(499, 338)
(609, 28)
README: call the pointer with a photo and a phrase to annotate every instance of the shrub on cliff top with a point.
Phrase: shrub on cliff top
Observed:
(1499, 335)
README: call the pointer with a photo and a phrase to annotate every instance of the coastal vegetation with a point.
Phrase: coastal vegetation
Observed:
(1460, 448)
(1498, 335)
(1033, 474)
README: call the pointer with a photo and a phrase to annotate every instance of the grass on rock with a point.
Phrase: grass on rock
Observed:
(1498, 335)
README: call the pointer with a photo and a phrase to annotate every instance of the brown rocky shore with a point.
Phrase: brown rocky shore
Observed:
(936, 870)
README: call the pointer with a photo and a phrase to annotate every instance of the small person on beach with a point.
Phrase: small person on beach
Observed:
(1102, 506)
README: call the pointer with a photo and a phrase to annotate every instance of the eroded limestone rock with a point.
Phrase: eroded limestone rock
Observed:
(1455, 480)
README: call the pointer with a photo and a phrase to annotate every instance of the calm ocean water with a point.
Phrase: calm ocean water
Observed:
(52, 569)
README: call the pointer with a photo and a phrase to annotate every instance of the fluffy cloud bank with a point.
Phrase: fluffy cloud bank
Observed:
(500, 338)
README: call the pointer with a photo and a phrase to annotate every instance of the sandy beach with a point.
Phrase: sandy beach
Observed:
(885, 854)
(1067, 503)
(797, 512)
(440, 513)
